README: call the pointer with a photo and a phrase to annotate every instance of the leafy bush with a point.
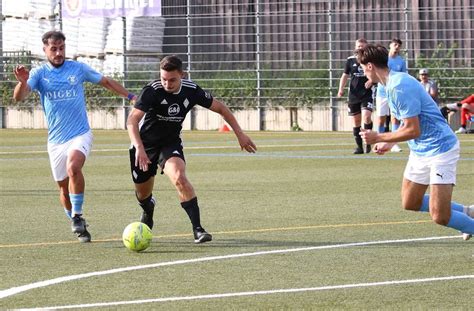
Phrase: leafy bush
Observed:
(453, 82)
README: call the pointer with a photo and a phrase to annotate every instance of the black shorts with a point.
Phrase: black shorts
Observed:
(355, 107)
(158, 156)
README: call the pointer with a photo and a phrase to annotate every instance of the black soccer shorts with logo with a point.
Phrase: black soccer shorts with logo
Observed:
(158, 156)
(355, 107)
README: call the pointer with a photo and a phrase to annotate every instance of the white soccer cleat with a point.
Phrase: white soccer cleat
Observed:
(453, 106)
(469, 210)
(396, 148)
(461, 130)
(466, 236)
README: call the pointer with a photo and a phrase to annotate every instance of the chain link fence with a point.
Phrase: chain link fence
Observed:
(251, 54)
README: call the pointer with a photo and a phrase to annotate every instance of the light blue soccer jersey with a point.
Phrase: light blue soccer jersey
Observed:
(407, 98)
(62, 97)
(397, 64)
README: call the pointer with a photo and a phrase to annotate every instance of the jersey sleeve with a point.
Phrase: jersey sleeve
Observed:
(145, 99)
(34, 78)
(404, 66)
(90, 74)
(202, 98)
(408, 104)
(468, 100)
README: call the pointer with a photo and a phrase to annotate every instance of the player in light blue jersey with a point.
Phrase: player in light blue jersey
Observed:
(434, 147)
(59, 83)
(398, 64)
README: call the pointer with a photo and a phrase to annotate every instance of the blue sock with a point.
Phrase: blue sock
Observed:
(425, 206)
(395, 127)
(68, 213)
(457, 207)
(461, 222)
(76, 201)
(381, 128)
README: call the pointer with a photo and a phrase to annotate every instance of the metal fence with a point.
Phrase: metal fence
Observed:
(249, 53)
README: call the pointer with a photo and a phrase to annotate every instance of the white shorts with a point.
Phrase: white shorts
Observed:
(438, 169)
(58, 153)
(382, 106)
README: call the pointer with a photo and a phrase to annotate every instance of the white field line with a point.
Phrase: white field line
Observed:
(255, 293)
(20, 289)
(185, 148)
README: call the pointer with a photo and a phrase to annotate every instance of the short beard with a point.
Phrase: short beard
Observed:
(55, 65)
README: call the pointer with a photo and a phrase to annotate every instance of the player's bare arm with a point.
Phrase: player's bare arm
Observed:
(116, 88)
(244, 141)
(410, 129)
(141, 158)
(22, 89)
(342, 84)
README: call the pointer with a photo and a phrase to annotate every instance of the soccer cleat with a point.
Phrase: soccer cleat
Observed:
(201, 236)
(396, 148)
(453, 107)
(84, 237)
(469, 210)
(466, 236)
(78, 224)
(461, 130)
(358, 150)
(147, 215)
(368, 148)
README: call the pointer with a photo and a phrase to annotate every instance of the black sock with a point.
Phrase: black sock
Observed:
(387, 123)
(358, 139)
(146, 204)
(368, 126)
(192, 209)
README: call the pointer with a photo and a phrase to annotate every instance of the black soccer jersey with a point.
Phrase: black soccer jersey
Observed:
(357, 90)
(165, 112)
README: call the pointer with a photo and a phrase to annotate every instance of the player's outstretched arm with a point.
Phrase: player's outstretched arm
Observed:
(244, 141)
(22, 89)
(116, 88)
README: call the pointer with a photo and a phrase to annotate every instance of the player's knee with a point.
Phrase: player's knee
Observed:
(181, 182)
(440, 219)
(73, 170)
(411, 205)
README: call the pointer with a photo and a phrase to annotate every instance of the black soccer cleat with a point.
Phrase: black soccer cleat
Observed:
(358, 150)
(201, 236)
(78, 224)
(147, 214)
(368, 148)
(84, 237)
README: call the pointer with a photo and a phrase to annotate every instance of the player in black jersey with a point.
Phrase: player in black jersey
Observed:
(360, 96)
(154, 126)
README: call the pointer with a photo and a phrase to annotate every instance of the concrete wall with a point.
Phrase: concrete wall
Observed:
(276, 119)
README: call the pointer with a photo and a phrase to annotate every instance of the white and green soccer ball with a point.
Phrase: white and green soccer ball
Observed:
(137, 236)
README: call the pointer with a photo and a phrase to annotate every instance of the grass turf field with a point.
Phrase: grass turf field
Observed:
(302, 224)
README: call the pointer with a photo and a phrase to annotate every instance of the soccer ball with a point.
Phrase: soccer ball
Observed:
(137, 236)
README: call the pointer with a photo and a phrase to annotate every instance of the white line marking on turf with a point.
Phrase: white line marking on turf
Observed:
(254, 293)
(185, 148)
(20, 289)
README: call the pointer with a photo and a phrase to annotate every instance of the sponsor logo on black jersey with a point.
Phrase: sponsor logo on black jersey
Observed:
(173, 110)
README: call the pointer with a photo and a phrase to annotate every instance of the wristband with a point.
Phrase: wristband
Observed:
(130, 96)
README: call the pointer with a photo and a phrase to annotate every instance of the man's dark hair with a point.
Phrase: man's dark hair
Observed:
(54, 35)
(396, 40)
(362, 40)
(375, 54)
(171, 63)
